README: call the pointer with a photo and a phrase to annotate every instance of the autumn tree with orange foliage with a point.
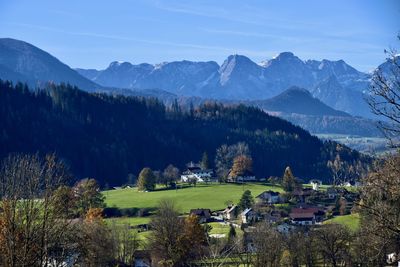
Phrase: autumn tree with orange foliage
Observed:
(194, 237)
(241, 165)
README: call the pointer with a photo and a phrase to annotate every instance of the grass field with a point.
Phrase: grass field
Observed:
(352, 221)
(131, 221)
(219, 229)
(211, 196)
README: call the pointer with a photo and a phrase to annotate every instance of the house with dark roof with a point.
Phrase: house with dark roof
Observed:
(204, 215)
(248, 215)
(273, 216)
(306, 215)
(269, 197)
(303, 193)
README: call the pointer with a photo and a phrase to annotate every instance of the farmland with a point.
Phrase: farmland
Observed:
(352, 221)
(211, 196)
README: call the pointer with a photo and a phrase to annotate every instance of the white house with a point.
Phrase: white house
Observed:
(248, 215)
(392, 258)
(229, 212)
(346, 184)
(195, 172)
(315, 184)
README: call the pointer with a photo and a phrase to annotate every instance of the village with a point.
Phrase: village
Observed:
(288, 208)
(309, 205)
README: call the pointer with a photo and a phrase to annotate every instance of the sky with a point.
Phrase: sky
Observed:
(93, 33)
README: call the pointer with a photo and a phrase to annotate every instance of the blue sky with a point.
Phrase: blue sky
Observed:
(91, 34)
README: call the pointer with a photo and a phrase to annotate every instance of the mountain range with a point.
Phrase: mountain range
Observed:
(333, 91)
(335, 83)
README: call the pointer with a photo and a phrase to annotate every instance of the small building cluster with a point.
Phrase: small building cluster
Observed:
(195, 172)
(303, 207)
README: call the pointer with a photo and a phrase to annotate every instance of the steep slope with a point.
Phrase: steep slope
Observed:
(345, 73)
(7, 74)
(332, 93)
(30, 64)
(241, 78)
(286, 70)
(300, 101)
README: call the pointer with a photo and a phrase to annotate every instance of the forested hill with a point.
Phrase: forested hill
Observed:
(107, 137)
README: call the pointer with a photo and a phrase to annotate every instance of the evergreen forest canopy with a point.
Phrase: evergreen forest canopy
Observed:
(108, 137)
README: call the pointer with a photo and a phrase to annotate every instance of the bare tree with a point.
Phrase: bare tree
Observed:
(170, 175)
(220, 251)
(268, 246)
(333, 243)
(126, 242)
(167, 228)
(385, 96)
(31, 228)
(380, 205)
(175, 241)
(96, 245)
(301, 248)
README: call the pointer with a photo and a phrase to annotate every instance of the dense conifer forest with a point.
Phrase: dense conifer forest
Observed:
(108, 137)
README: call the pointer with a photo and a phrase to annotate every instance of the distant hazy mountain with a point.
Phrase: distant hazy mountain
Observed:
(389, 69)
(300, 101)
(20, 61)
(334, 82)
(298, 106)
(334, 94)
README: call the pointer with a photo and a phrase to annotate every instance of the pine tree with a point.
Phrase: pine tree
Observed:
(246, 201)
(288, 180)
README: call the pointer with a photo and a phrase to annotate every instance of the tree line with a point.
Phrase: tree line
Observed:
(113, 137)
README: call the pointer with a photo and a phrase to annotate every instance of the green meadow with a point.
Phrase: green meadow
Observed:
(352, 221)
(211, 196)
